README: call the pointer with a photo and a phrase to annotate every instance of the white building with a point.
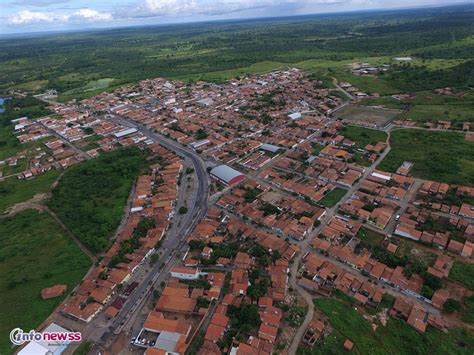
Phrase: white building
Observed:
(46, 347)
(185, 273)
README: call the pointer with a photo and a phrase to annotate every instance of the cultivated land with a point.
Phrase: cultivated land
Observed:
(440, 156)
(394, 338)
(90, 197)
(34, 254)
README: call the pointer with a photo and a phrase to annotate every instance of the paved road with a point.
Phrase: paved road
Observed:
(65, 141)
(305, 247)
(334, 81)
(175, 242)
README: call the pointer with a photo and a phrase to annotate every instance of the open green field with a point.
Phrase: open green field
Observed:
(34, 254)
(468, 312)
(396, 337)
(9, 145)
(332, 197)
(371, 238)
(440, 156)
(13, 191)
(464, 273)
(363, 136)
(91, 196)
(427, 106)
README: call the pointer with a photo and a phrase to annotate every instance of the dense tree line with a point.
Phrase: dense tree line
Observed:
(91, 196)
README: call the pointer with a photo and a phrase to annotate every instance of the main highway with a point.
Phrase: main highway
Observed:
(174, 243)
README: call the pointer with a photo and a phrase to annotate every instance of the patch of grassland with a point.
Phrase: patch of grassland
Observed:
(222, 75)
(33, 86)
(468, 312)
(440, 156)
(395, 338)
(13, 191)
(463, 273)
(363, 136)
(370, 237)
(10, 145)
(34, 254)
(332, 197)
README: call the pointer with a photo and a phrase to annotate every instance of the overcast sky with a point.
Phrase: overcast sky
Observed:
(55, 15)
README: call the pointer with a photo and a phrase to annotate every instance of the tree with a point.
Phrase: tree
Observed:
(427, 291)
(201, 134)
(153, 259)
(244, 317)
(183, 210)
(451, 305)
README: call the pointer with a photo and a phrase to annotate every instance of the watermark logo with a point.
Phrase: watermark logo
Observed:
(19, 337)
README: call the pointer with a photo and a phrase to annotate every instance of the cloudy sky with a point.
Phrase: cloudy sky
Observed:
(18, 16)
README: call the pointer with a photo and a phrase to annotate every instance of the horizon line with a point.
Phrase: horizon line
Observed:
(211, 21)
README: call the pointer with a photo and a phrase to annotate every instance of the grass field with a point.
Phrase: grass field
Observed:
(395, 338)
(34, 254)
(370, 237)
(368, 84)
(91, 196)
(332, 197)
(428, 113)
(10, 145)
(363, 136)
(21, 165)
(426, 106)
(468, 312)
(13, 190)
(463, 273)
(440, 156)
(33, 86)
(222, 75)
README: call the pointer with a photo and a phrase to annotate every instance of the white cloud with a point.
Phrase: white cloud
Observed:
(175, 8)
(27, 17)
(91, 15)
(38, 3)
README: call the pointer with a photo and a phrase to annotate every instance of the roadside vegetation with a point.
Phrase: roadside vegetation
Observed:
(440, 156)
(34, 254)
(91, 196)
